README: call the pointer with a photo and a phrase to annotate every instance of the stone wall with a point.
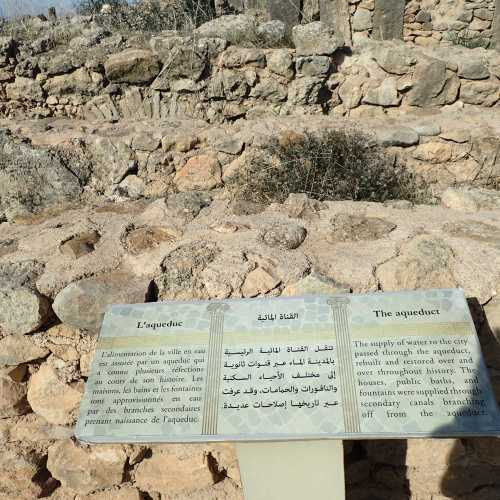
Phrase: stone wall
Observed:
(427, 23)
(424, 22)
(207, 78)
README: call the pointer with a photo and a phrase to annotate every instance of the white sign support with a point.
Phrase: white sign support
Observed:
(292, 470)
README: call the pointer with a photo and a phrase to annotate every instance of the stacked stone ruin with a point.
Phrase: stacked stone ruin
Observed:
(414, 21)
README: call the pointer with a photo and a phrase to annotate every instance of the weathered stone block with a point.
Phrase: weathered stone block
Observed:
(335, 13)
(288, 12)
(388, 19)
(495, 27)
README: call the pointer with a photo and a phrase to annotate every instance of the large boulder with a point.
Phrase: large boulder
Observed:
(200, 173)
(424, 262)
(44, 388)
(113, 160)
(315, 39)
(181, 276)
(429, 80)
(134, 66)
(34, 178)
(77, 82)
(82, 304)
(22, 308)
(234, 29)
(24, 89)
(85, 469)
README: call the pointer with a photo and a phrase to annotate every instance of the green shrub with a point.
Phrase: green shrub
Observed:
(465, 38)
(337, 165)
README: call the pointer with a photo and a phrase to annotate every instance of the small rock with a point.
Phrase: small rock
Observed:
(33, 428)
(245, 207)
(79, 245)
(24, 89)
(23, 310)
(299, 206)
(258, 282)
(484, 93)
(45, 388)
(174, 474)
(281, 62)
(225, 227)
(12, 397)
(238, 57)
(142, 239)
(315, 38)
(347, 227)
(362, 20)
(399, 204)
(424, 262)
(181, 271)
(145, 142)
(429, 80)
(471, 199)
(473, 69)
(433, 152)
(385, 94)
(132, 187)
(17, 349)
(19, 468)
(134, 66)
(200, 173)
(230, 146)
(234, 29)
(82, 304)
(184, 144)
(423, 17)
(426, 129)
(400, 136)
(315, 284)
(394, 60)
(459, 135)
(313, 66)
(272, 33)
(287, 236)
(186, 206)
(86, 469)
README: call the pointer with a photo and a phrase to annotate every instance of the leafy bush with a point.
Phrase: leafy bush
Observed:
(465, 38)
(150, 15)
(337, 165)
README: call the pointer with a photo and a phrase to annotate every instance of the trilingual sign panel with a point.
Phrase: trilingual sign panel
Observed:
(353, 366)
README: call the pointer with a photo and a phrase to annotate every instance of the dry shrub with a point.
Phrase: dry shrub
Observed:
(336, 165)
(149, 15)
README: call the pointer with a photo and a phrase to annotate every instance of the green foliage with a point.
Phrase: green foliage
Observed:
(149, 16)
(465, 38)
(337, 165)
